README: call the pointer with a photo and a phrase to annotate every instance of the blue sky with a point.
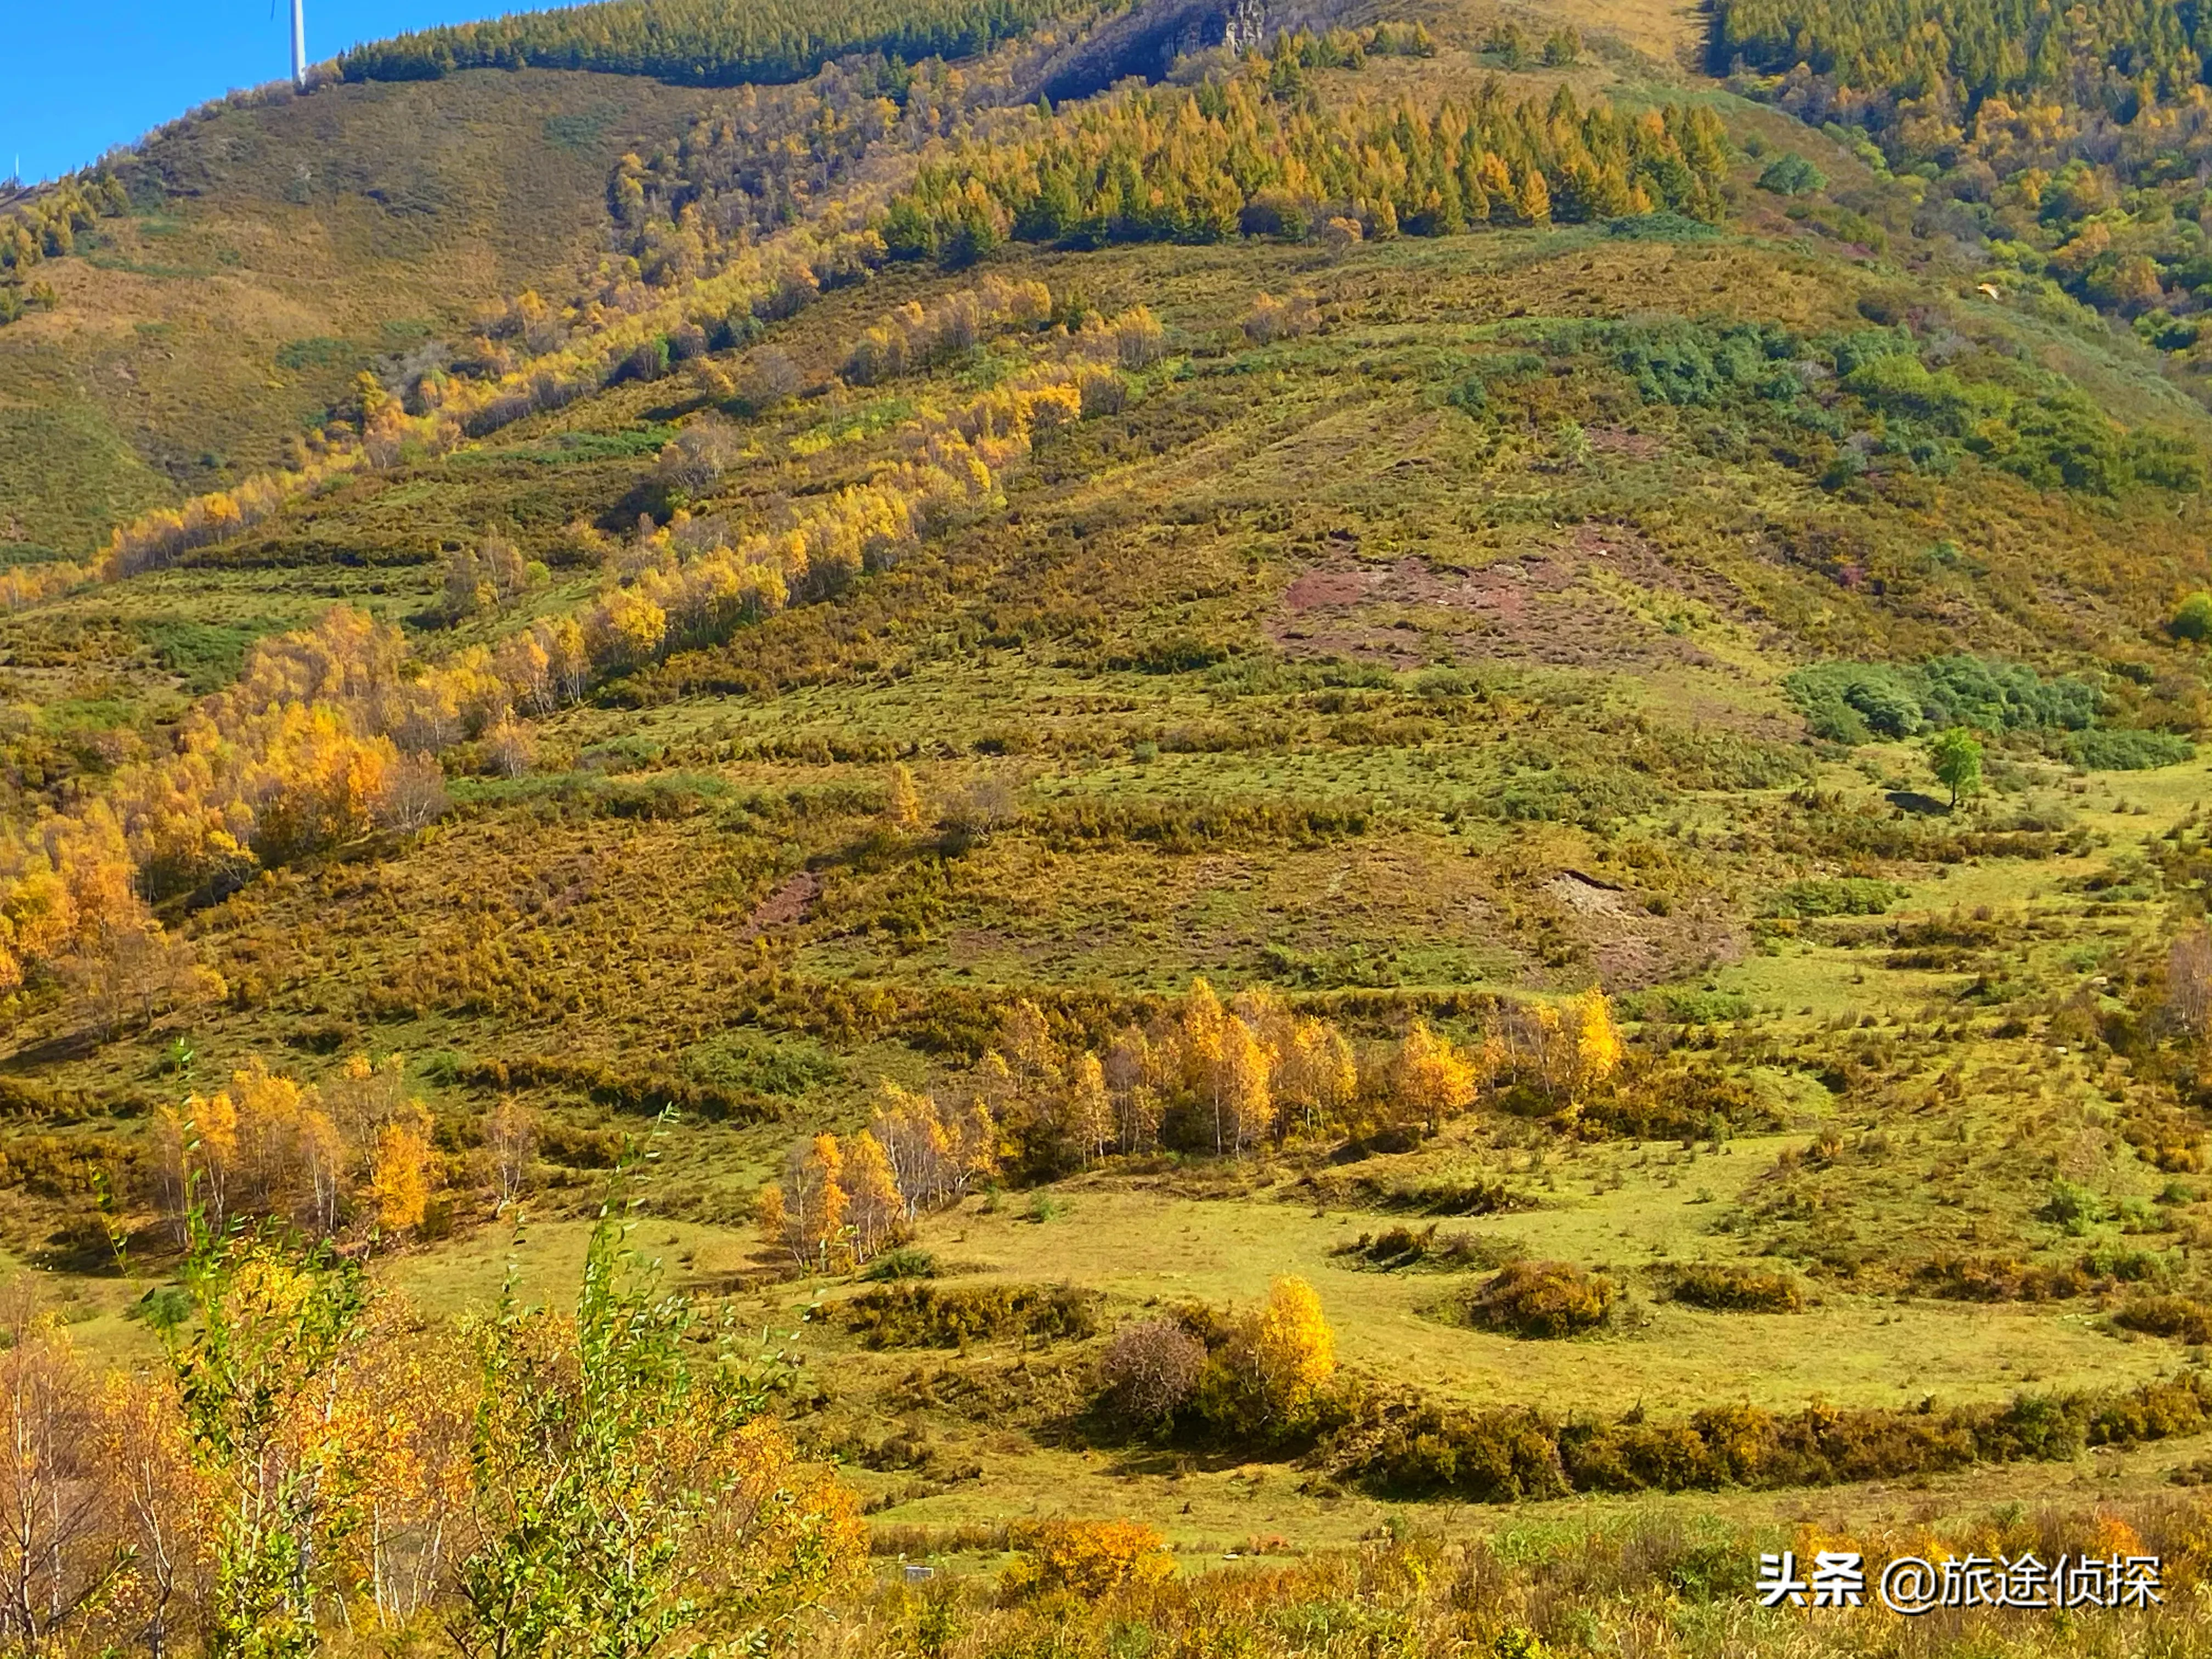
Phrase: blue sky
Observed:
(79, 76)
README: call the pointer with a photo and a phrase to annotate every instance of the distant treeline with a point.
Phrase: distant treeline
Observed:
(701, 42)
(2071, 141)
(2109, 53)
(1252, 157)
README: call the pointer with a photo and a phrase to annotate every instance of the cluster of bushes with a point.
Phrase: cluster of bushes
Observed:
(2166, 1316)
(1395, 1249)
(1730, 1287)
(1261, 1375)
(1854, 702)
(646, 1094)
(920, 1315)
(1698, 1101)
(1839, 896)
(2126, 751)
(1594, 797)
(1421, 1449)
(2006, 1278)
(1841, 404)
(1191, 826)
(1446, 1196)
(1539, 1300)
(1687, 1007)
(1084, 1558)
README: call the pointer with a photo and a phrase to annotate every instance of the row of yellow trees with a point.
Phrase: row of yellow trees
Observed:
(332, 733)
(354, 1155)
(1226, 1078)
(1205, 163)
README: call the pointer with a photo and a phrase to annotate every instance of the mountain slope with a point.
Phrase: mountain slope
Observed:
(1375, 631)
(276, 250)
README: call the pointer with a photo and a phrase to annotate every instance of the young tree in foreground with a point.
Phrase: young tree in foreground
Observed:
(631, 1499)
(274, 1333)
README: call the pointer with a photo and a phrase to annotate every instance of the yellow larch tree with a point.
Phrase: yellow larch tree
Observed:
(1597, 1039)
(902, 813)
(1090, 1116)
(399, 1171)
(1243, 1092)
(1430, 1079)
(875, 1213)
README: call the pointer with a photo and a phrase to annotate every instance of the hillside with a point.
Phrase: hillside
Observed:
(1480, 660)
(271, 253)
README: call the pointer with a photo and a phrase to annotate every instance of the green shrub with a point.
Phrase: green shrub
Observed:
(922, 1315)
(1540, 1300)
(1792, 175)
(1841, 896)
(907, 1261)
(1729, 1287)
(1417, 1448)
(1852, 703)
(2072, 1206)
(1401, 1247)
(2127, 751)
(2193, 619)
(750, 1066)
(1687, 1007)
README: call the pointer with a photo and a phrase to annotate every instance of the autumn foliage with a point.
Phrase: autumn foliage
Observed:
(1239, 1078)
(1086, 1559)
(311, 1457)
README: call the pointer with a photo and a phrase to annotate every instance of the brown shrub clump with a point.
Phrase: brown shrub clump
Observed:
(1150, 1370)
(2166, 1316)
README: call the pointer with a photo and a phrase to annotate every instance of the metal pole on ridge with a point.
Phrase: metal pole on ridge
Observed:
(299, 45)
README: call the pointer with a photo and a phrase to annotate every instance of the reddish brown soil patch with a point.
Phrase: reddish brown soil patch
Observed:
(788, 904)
(1547, 604)
(1616, 440)
(1329, 586)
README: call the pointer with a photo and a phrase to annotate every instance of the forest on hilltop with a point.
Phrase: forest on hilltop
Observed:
(701, 42)
(2063, 143)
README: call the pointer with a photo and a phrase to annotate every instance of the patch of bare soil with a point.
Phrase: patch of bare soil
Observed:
(1587, 896)
(1628, 947)
(788, 904)
(1329, 586)
(1617, 440)
(1549, 605)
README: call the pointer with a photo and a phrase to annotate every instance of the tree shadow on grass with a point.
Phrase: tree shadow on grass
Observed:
(1911, 800)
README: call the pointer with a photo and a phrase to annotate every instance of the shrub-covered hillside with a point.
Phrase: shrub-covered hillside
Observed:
(1426, 806)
